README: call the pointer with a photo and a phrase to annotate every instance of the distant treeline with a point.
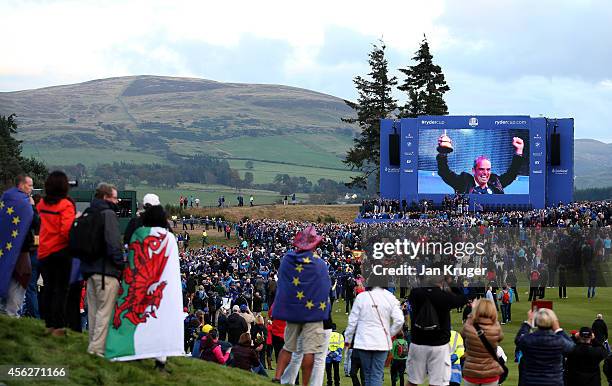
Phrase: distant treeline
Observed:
(593, 194)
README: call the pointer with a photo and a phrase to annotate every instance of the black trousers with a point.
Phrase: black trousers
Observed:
(533, 293)
(356, 368)
(398, 368)
(73, 307)
(277, 344)
(328, 371)
(55, 270)
(516, 294)
(562, 292)
(349, 304)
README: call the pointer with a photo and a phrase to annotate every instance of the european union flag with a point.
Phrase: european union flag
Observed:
(15, 219)
(302, 293)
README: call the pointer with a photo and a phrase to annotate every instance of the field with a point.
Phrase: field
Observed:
(24, 343)
(208, 194)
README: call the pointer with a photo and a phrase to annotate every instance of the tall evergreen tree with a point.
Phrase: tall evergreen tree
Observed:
(425, 85)
(374, 103)
(11, 161)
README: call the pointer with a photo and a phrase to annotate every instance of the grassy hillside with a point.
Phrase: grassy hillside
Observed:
(312, 213)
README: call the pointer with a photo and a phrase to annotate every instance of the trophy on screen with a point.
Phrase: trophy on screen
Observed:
(445, 145)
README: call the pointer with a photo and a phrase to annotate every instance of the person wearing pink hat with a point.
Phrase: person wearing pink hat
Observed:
(302, 299)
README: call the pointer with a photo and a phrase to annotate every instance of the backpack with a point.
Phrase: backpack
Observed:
(402, 350)
(427, 318)
(505, 297)
(86, 237)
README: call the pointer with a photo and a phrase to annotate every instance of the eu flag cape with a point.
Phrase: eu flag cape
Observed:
(302, 293)
(147, 321)
(15, 219)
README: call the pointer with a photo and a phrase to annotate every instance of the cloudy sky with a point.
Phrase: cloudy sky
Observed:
(549, 58)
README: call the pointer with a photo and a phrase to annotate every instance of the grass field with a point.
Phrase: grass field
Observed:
(208, 194)
(264, 172)
(24, 343)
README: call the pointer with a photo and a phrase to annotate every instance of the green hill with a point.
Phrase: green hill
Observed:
(141, 119)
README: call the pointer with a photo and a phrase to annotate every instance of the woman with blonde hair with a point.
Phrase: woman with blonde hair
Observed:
(542, 350)
(481, 367)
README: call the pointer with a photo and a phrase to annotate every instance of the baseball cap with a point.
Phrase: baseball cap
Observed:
(150, 199)
(585, 332)
(243, 307)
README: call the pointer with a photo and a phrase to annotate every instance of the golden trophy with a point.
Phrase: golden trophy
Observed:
(445, 145)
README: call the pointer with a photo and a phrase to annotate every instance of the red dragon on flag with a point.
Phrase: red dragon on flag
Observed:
(145, 291)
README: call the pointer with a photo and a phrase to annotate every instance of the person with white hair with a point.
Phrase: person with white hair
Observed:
(543, 350)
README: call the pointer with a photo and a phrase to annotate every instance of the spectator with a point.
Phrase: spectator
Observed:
(103, 272)
(222, 323)
(334, 356)
(480, 367)
(457, 351)
(375, 314)
(304, 277)
(429, 340)
(259, 333)
(236, 326)
(543, 350)
(583, 362)
(400, 354)
(57, 212)
(211, 349)
(17, 239)
(247, 315)
(245, 356)
(600, 329)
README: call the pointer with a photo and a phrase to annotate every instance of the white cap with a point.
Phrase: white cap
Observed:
(151, 199)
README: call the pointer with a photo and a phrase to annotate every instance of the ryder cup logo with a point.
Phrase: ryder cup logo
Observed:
(473, 122)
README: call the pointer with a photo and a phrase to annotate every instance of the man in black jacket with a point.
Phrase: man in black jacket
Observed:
(236, 326)
(582, 367)
(429, 349)
(482, 181)
(103, 272)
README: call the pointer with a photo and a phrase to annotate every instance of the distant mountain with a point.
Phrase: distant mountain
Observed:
(592, 160)
(161, 113)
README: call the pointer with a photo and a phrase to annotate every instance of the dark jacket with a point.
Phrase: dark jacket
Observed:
(245, 357)
(236, 326)
(600, 329)
(464, 182)
(583, 365)
(222, 326)
(543, 352)
(442, 302)
(111, 264)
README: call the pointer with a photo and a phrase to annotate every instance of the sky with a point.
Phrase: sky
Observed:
(520, 57)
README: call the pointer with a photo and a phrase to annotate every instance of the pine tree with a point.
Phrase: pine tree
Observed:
(12, 162)
(425, 85)
(374, 103)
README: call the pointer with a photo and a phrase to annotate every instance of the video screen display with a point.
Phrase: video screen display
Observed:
(473, 161)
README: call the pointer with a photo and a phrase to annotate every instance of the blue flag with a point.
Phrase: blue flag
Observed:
(15, 219)
(302, 293)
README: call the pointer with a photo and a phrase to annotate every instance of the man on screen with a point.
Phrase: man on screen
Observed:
(481, 181)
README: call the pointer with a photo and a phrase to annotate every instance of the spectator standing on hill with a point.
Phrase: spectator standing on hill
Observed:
(430, 333)
(543, 350)
(104, 271)
(236, 326)
(57, 212)
(251, 200)
(600, 329)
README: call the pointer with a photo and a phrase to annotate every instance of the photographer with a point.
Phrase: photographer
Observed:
(583, 362)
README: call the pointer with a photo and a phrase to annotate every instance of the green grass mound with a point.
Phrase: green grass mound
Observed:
(24, 342)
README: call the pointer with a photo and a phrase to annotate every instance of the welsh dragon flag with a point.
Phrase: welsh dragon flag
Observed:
(147, 321)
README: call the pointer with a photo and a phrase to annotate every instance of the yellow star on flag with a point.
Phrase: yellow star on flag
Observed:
(10, 210)
(296, 281)
(322, 306)
(299, 268)
(1, 253)
(309, 304)
(14, 233)
(16, 220)
(300, 295)
(1, 204)
(307, 260)
(9, 246)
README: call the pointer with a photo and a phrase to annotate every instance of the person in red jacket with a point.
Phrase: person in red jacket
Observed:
(57, 212)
